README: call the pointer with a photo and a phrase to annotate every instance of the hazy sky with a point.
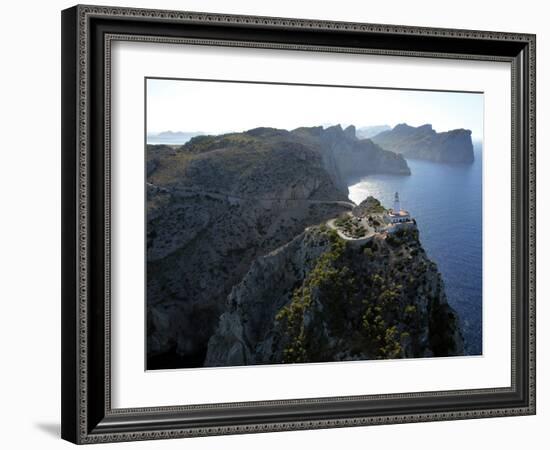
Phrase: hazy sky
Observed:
(217, 107)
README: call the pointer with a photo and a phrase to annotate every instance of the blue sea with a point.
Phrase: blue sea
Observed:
(446, 201)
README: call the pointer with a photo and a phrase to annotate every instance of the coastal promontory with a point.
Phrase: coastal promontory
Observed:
(323, 298)
(423, 142)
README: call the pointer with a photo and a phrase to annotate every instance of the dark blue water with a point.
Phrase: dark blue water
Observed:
(446, 201)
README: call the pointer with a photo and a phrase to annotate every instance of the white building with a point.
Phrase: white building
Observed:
(396, 214)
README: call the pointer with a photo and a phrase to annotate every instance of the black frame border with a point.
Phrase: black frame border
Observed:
(87, 31)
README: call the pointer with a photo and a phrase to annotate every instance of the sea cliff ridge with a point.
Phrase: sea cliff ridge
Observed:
(423, 142)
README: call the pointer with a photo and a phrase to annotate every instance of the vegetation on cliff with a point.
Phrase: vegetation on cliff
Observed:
(368, 305)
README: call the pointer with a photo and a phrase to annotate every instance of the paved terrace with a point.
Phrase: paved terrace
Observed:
(358, 241)
(371, 232)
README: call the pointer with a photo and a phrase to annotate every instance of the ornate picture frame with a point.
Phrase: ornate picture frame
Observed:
(88, 33)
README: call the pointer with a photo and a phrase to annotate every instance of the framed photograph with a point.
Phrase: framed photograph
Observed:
(280, 224)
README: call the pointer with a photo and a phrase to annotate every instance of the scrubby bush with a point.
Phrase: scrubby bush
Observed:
(393, 240)
(368, 252)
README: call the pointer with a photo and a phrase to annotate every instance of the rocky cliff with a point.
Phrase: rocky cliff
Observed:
(370, 131)
(320, 298)
(217, 203)
(454, 146)
(346, 157)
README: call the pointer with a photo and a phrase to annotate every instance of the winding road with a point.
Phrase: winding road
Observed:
(232, 198)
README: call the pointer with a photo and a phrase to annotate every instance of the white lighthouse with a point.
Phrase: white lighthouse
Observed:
(396, 204)
(398, 215)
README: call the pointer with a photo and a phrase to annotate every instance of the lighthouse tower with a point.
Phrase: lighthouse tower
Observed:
(396, 204)
(397, 215)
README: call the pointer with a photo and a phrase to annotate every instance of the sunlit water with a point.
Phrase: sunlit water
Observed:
(446, 201)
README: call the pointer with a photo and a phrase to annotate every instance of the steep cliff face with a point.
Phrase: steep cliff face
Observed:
(350, 157)
(320, 298)
(454, 146)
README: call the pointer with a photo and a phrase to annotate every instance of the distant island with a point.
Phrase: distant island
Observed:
(172, 137)
(265, 214)
(423, 142)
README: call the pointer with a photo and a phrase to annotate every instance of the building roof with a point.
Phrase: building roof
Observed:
(399, 213)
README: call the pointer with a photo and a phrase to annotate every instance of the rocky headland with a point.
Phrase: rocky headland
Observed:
(320, 298)
(453, 146)
(220, 205)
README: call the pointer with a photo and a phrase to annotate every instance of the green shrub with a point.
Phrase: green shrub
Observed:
(333, 281)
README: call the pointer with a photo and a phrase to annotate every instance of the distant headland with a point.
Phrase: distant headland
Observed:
(423, 142)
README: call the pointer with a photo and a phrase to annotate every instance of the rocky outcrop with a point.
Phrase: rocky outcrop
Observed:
(318, 298)
(454, 146)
